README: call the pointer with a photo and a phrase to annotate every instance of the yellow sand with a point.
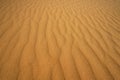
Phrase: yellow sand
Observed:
(59, 39)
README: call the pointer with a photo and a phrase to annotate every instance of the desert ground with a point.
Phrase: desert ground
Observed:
(59, 39)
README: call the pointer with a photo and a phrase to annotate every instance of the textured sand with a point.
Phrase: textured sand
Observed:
(59, 39)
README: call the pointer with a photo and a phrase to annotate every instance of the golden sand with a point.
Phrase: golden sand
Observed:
(59, 39)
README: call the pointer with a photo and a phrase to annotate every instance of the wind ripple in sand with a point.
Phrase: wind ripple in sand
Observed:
(59, 40)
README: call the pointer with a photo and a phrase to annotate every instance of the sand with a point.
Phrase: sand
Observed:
(59, 39)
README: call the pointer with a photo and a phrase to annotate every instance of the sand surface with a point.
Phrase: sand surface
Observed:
(59, 39)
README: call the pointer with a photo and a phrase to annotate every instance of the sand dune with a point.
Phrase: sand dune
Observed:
(59, 39)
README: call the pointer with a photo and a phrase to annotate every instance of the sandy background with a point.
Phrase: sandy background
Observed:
(59, 39)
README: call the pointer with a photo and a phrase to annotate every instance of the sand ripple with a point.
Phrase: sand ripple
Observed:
(59, 40)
